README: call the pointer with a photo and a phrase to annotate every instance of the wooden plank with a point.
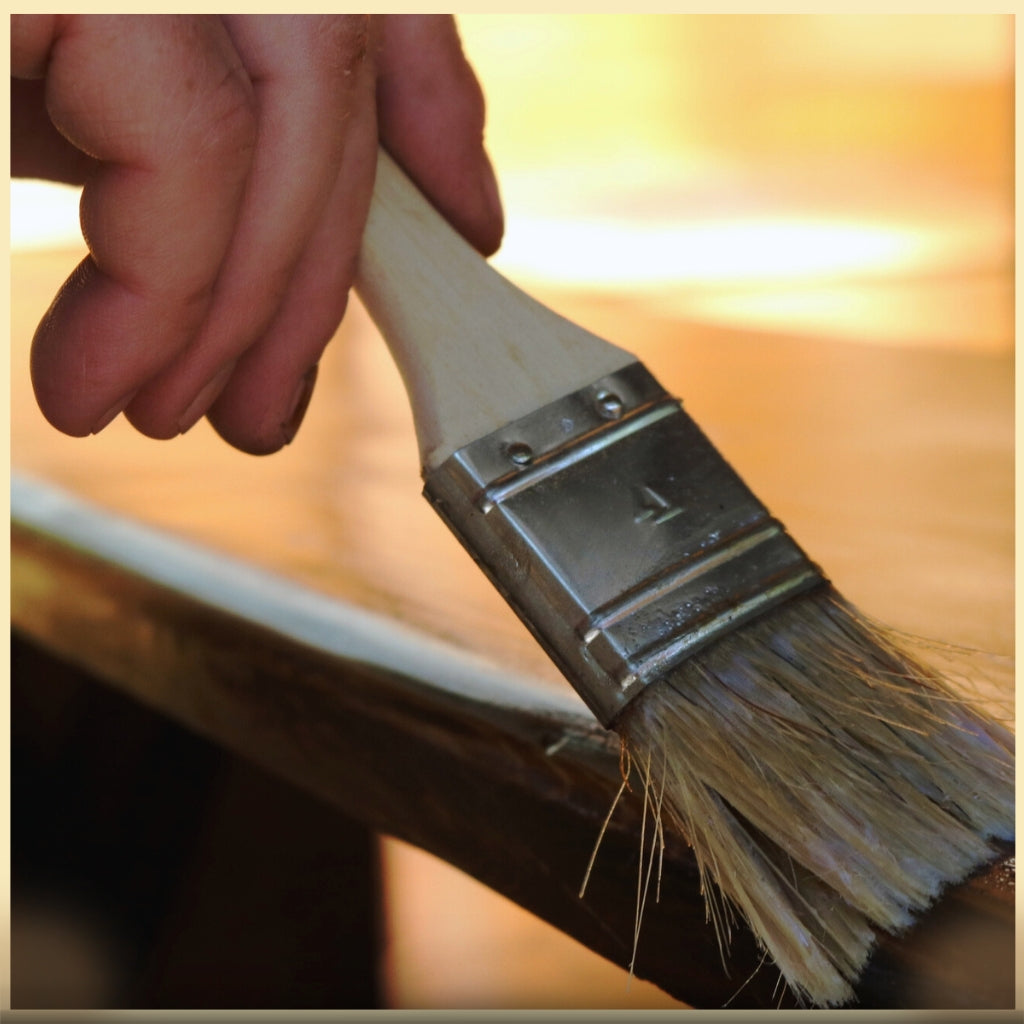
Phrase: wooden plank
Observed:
(503, 778)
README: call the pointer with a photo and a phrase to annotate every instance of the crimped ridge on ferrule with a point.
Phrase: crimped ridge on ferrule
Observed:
(685, 572)
(653, 664)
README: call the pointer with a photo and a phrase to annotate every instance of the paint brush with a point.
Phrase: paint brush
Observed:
(830, 782)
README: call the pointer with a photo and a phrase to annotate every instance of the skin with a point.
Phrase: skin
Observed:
(227, 164)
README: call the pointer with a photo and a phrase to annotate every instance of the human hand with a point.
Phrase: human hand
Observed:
(228, 165)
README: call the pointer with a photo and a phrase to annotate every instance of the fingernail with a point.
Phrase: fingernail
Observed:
(300, 403)
(112, 413)
(201, 403)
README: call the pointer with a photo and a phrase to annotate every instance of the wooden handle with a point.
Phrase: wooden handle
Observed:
(474, 351)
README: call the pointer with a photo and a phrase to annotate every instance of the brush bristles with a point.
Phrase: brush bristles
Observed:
(828, 782)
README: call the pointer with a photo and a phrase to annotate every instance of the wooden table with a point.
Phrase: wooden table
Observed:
(308, 612)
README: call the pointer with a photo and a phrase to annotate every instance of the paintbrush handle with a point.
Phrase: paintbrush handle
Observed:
(474, 351)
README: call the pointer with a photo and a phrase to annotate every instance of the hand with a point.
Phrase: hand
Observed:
(228, 165)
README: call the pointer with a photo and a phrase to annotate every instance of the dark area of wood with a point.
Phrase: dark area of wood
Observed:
(201, 880)
(447, 773)
(960, 954)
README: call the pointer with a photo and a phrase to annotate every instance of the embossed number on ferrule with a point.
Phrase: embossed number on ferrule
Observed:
(652, 506)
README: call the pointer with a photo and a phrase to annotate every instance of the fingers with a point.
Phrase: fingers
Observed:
(228, 167)
(165, 105)
(426, 92)
(309, 75)
(262, 405)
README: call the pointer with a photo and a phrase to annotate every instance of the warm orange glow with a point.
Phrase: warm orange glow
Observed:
(763, 172)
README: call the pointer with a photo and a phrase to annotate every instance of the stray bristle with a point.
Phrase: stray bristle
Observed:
(828, 781)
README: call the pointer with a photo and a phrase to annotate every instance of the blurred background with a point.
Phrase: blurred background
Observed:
(839, 177)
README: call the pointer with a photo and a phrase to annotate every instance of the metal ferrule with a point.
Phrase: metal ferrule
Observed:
(619, 535)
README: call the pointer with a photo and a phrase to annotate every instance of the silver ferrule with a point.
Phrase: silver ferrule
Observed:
(619, 535)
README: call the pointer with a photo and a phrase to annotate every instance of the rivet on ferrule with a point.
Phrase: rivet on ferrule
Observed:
(609, 405)
(521, 454)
